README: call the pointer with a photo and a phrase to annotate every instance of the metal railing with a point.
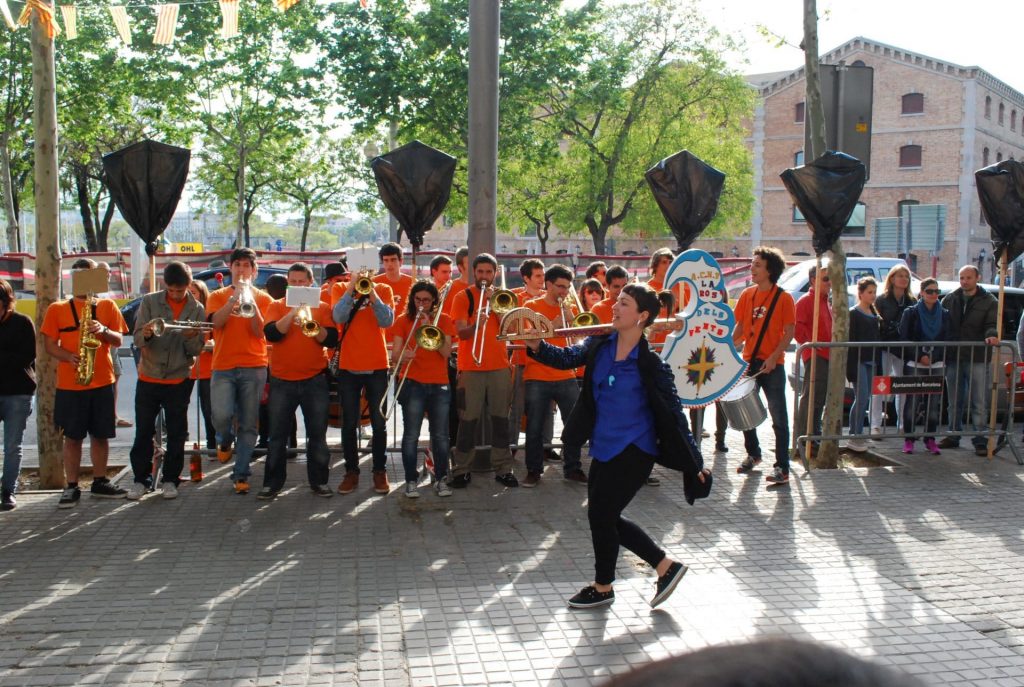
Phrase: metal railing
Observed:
(954, 399)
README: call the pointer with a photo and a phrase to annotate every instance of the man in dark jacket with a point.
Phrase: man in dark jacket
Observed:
(973, 312)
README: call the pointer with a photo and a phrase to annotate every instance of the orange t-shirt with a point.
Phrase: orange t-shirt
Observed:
(457, 285)
(297, 356)
(427, 367)
(751, 309)
(365, 347)
(495, 353)
(236, 345)
(519, 354)
(400, 289)
(603, 310)
(203, 369)
(538, 371)
(59, 317)
(176, 310)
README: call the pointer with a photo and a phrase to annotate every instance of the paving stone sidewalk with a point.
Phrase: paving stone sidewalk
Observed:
(919, 566)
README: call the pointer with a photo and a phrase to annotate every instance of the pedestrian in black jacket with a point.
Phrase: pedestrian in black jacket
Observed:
(630, 412)
(17, 386)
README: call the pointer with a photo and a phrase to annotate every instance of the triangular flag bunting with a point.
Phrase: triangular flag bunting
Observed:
(166, 23)
(8, 17)
(70, 14)
(120, 16)
(284, 4)
(228, 18)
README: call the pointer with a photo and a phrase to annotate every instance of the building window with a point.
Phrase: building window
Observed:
(984, 157)
(798, 217)
(913, 103)
(999, 157)
(902, 207)
(858, 63)
(798, 113)
(798, 159)
(1013, 120)
(910, 156)
(988, 107)
(1002, 108)
(855, 225)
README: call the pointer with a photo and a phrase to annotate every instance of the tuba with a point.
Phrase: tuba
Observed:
(88, 344)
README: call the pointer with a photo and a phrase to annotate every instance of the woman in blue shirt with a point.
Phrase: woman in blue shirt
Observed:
(630, 413)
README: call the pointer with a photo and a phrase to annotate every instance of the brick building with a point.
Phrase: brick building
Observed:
(933, 124)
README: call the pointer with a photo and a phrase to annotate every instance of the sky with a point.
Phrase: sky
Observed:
(981, 33)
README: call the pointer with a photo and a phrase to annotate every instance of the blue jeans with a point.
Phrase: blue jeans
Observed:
(350, 387)
(539, 396)
(434, 400)
(774, 386)
(14, 412)
(149, 399)
(285, 396)
(968, 380)
(862, 397)
(236, 394)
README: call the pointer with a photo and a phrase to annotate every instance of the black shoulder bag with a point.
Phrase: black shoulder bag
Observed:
(755, 362)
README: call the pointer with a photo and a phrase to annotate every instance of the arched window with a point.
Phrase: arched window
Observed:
(1013, 120)
(988, 107)
(984, 157)
(1002, 108)
(910, 156)
(798, 113)
(913, 103)
(858, 63)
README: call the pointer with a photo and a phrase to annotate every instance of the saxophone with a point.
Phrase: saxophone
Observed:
(88, 344)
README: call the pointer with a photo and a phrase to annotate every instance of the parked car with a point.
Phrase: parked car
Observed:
(796, 279)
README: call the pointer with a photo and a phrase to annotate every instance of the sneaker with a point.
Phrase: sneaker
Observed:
(949, 442)
(103, 489)
(777, 477)
(169, 490)
(551, 456)
(577, 476)
(531, 480)
(704, 434)
(588, 597)
(266, 494)
(653, 482)
(876, 432)
(224, 453)
(195, 470)
(857, 445)
(411, 491)
(7, 501)
(242, 487)
(933, 448)
(460, 481)
(908, 446)
(720, 447)
(69, 497)
(322, 490)
(349, 483)
(442, 488)
(380, 482)
(137, 491)
(748, 464)
(668, 582)
(508, 479)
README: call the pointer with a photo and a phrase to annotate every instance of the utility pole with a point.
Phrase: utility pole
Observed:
(484, 25)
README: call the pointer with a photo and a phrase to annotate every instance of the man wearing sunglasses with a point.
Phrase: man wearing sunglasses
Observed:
(804, 334)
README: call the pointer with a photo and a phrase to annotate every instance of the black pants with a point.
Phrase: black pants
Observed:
(149, 398)
(612, 485)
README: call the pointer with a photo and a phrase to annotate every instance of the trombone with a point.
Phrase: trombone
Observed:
(385, 409)
(501, 302)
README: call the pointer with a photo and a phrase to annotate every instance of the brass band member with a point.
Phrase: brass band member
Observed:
(532, 272)
(425, 389)
(164, 383)
(298, 379)
(84, 409)
(391, 258)
(486, 382)
(616, 277)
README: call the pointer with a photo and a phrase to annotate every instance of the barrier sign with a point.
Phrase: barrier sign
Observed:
(188, 248)
(921, 384)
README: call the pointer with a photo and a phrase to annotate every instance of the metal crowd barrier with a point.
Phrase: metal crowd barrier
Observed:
(962, 386)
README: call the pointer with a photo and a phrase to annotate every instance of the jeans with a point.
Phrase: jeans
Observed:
(610, 488)
(149, 399)
(236, 395)
(774, 386)
(14, 412)
(862, 397)
(968, 380)
(539, 395)
(207, 409)
(350, 387)
(285, 396)
(434, 400)
(518, 410)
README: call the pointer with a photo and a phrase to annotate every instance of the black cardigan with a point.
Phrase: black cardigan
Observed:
(676, 448)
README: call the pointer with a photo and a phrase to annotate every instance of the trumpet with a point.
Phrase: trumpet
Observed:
(162, 326)
(246, 301)
(304, 320)
(364, 282)
(385, 409)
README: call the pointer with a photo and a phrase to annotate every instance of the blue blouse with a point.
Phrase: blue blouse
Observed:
(623, 414)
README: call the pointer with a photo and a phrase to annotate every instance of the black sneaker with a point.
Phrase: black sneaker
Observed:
(69, 497)
(668, 582)
(949, 442)
(266, 494)
(508, 479)
(588, 597)
(103, 489)
(322, 490)
(7, 501)
(460, 481)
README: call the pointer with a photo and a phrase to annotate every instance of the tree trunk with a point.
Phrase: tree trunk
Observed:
(85, 207)
(44, 124)
(543, 234)
(241, 231)
(7, 189)
(814, 111)
(103, 232)
(307, 216)
(598, 233)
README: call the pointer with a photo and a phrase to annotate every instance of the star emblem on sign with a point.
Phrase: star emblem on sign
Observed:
(700, 366)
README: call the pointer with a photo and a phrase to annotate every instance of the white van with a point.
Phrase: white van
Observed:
(795, 280)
